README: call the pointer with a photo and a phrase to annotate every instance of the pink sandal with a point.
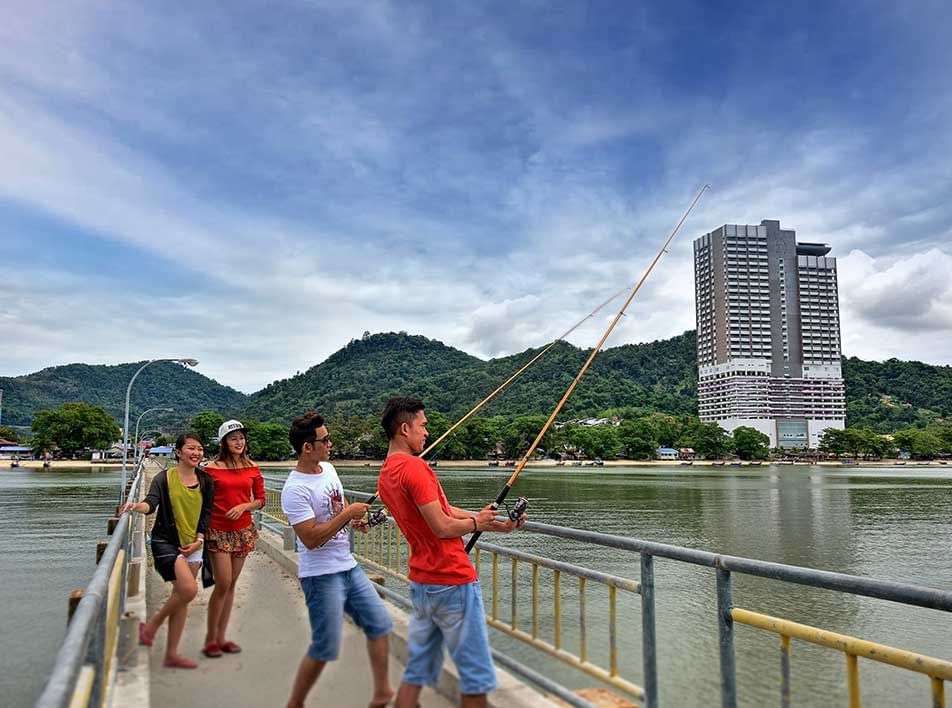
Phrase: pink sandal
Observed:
(212, 650)
(230, 648)
(180, 662)
(145, 636)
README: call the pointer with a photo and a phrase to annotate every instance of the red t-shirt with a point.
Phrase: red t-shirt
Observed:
(407, 483)
(234, 487)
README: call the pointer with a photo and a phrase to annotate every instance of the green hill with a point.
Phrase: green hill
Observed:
(358, 379)
(162, 384)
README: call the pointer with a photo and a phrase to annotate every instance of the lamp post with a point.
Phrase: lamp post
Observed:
(136, 436)
(125, 426)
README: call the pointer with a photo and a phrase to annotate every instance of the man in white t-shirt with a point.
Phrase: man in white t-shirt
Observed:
(333, 583)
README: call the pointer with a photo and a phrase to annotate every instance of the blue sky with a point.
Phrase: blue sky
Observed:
(254, 184)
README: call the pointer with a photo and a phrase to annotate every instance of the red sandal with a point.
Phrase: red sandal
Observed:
(230, 648)
(212, 650)
(180, 662)
(146, 637)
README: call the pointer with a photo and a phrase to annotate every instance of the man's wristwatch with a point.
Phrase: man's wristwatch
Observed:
(475, 527)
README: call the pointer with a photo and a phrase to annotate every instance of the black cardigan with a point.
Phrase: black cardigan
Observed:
(158, 496)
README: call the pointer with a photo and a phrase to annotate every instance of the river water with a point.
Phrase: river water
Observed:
(861, 521)
(49, 526)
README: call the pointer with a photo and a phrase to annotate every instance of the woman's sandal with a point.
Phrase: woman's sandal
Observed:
(145, 636)
(180, 662)
(212, 650)
(230, 648)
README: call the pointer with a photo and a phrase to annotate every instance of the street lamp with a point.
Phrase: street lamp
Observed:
(136, 436)
(125, 426)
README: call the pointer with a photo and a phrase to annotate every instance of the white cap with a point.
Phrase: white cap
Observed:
(229, 426)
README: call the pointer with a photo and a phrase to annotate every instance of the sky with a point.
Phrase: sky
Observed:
(255, 184)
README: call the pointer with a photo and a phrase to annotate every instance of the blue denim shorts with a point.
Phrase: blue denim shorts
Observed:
(328, 597)
(450, 615)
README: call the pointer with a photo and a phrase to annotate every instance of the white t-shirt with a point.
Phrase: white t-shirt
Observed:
(319, 497)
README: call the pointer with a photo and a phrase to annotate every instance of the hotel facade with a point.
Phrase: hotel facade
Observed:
(768, 333)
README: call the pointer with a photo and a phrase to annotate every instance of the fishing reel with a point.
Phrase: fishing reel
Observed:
(518, 509)
(375, 518)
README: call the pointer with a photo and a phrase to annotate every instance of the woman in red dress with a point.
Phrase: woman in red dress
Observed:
(239, 490)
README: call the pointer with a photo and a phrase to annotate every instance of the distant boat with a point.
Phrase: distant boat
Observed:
(599, 462)
(942, 462)
(719, 463)
(691, 463)
(576, 463)
(758, 462)
(493, 463)
(735, 464)
(899, 463)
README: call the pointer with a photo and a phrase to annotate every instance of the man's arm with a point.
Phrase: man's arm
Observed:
(314, 534)
(444, 525)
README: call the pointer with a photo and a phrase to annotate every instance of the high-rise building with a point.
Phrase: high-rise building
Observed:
(768, 333)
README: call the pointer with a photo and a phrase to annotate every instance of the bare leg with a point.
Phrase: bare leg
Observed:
(184, 590)
(473, 700)
(221, 566)
(307, 673)
(237, 563)
(408, 696)
(177, 617)
(380, 667)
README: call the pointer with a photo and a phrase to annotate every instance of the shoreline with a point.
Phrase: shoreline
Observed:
(482, 464)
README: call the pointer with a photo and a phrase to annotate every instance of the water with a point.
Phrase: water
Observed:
(49, 526)
(861, 521)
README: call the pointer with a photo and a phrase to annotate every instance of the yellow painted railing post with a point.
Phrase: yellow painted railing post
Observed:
(784, 671)
(938, 693)
(535, 601)
(514, 592)
(582, 649)
(495, 585)
(612, 634)
(852, 680)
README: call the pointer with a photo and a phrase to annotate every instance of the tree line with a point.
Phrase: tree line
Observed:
(629, 433)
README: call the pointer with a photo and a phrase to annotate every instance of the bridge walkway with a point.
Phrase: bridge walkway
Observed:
(269, 620)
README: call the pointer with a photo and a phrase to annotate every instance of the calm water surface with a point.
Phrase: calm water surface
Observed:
(861, 521)
(49, 524)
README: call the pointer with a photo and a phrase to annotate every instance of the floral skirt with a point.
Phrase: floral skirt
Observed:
(238, 543)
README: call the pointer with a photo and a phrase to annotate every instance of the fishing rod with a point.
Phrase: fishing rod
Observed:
(578, 377)
(516, 375)
(378, 517)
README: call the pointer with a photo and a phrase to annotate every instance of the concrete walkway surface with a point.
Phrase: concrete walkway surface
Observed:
(270, 622)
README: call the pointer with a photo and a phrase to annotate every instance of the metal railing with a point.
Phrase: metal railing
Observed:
(84, 669)
(385, 549)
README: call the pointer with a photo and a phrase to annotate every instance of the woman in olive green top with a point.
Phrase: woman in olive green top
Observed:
(183, 496)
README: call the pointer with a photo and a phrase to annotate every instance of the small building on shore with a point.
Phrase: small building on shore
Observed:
(666, 453)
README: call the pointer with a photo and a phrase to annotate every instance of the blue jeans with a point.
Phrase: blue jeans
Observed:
(328, 597)
(452, 615)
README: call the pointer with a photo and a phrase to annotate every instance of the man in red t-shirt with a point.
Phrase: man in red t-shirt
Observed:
(444, 587)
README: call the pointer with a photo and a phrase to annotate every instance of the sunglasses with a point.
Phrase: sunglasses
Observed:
(323, 441)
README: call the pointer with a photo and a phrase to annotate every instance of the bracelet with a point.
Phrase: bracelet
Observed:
(475, 527)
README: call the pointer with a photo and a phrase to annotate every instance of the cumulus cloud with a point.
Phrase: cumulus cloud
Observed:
(358, 167)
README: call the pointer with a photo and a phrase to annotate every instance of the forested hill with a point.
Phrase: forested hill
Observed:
(358, 379)
(164, 384)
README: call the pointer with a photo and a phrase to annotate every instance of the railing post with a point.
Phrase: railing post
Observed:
(96, 655)
(725, 630)
(648, 643)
